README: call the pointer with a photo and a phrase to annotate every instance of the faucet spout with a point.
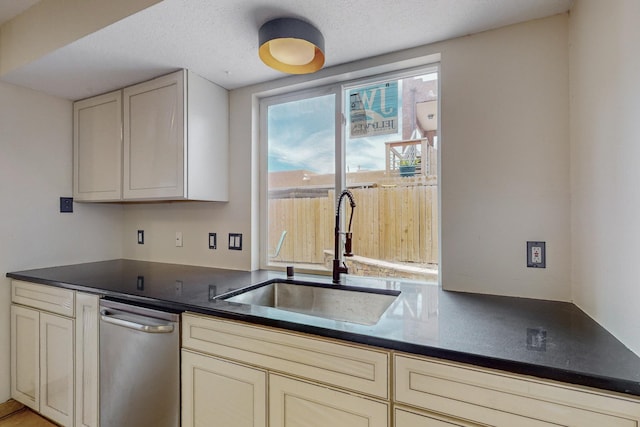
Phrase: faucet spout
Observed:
(337, 267)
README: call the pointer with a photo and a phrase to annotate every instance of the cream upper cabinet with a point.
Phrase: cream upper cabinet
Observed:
(97, 148)
(176, 140)
(229, 393)
(164, 139)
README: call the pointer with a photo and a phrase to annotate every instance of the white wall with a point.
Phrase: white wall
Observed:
(35, 171)
(505, 166)
(505, 160)
(195, 220)
(161, 221)
(605, 156)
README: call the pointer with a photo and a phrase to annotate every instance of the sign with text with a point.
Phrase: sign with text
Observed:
(374, 110)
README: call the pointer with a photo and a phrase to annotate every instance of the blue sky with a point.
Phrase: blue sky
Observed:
(301, 136)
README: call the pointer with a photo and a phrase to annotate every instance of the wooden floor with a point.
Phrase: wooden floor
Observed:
(13, 414)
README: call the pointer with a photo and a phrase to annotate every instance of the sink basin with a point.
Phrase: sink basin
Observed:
(345, 303)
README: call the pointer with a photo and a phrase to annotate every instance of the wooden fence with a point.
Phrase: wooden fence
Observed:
(390, 223)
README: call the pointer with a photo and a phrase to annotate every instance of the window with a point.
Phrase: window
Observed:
(377, 137)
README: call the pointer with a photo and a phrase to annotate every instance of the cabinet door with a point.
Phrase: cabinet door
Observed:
(154, 139)
(56, 368)
(25, 350)
(411, 418)
(97, 148)
(86, 412)
(216, 392)
(295, 403)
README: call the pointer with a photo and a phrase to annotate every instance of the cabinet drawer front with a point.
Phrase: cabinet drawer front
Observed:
(343, 365)
(494, 398)
(48, 298)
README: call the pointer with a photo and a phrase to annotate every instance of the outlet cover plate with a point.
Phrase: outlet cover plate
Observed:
(536, 255)
(66, 204)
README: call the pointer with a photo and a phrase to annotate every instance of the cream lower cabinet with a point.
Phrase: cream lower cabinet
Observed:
(25, 356)
(318, 382)
(312, 382)
(404, 417)
(56, 368)
(46, 344)
(86, 360)
(42, 362)
(464, 395)
(293, 402)
(217, 392)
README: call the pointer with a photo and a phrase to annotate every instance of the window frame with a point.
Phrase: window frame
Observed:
(338, 89)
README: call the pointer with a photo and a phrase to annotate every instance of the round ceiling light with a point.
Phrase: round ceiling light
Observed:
(291, 46)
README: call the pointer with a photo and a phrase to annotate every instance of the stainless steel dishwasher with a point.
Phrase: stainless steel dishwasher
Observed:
(139, 366)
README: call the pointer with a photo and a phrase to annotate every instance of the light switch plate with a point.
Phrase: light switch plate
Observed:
(235, 241)
(536, 255)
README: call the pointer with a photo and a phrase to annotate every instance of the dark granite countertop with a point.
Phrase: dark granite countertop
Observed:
(545, 339)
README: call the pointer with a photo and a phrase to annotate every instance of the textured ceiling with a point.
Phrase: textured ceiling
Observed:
(12, 8)
(218, 39)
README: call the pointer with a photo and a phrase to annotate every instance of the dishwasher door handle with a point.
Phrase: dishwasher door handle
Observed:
(151, 329)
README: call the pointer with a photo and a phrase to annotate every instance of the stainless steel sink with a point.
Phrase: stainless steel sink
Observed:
(345, 303)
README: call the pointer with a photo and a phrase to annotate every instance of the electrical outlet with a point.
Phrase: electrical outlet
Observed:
(213, 241)
(66, 204)
(536, 257)
(235, 241)
(178, 239)
(141, 237)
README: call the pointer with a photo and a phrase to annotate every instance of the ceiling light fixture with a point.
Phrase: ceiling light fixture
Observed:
(291, 46)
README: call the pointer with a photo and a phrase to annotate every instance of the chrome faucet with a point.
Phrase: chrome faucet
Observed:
(337, 268)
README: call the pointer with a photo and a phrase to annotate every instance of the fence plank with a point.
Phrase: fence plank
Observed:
(395, 223)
